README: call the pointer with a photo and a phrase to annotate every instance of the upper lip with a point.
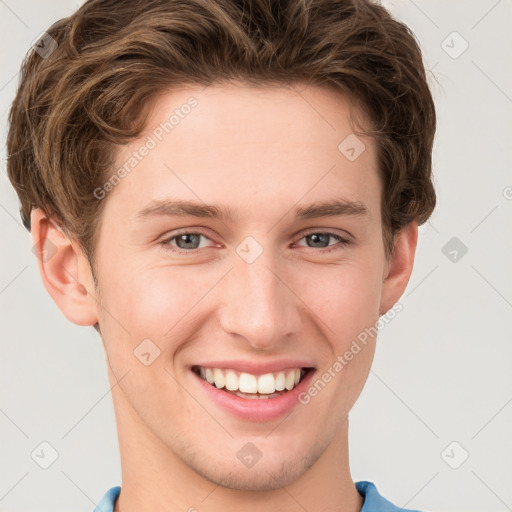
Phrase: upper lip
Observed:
(257, 368)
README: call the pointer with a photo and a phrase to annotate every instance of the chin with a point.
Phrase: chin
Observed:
(262, 479)
(273, 473)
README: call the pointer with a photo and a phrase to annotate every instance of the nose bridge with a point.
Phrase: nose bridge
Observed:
(257, 305)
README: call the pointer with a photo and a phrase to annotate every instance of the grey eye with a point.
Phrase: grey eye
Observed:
(188, 240)
(318, 239)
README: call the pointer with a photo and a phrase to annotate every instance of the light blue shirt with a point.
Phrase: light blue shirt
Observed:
(373, 501)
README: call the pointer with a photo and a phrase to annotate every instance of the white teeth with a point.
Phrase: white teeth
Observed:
(220, 380)
(266, 385)
(252, 396)
(209, 375)
(231, 380)
(280, 381)
(248, 383)
(290, 380)
(256, 396)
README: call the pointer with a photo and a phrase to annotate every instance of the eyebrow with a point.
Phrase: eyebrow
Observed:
(182, 208)
(332, 208)
(179, 208)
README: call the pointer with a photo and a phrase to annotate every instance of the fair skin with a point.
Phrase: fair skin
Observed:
(262, 153)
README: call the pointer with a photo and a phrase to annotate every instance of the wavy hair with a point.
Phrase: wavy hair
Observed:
(111, 58)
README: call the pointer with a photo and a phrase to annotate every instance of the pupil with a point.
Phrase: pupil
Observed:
(319, 239)
(188, 241)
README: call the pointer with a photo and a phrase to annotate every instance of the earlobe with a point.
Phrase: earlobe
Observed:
(399, 267)
(64, 270)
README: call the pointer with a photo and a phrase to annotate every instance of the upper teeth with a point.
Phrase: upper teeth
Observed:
(248, 383)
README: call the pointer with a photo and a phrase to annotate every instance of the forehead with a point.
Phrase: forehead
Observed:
(251, 147)
(243, 113)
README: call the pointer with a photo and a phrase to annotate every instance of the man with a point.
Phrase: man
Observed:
(230, 193)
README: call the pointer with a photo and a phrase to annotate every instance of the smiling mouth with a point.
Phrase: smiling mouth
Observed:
(247, 385)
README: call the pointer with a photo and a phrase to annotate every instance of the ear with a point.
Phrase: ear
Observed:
(64, 269)
(399, 266)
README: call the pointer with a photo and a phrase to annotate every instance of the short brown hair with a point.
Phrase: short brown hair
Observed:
(113, 57)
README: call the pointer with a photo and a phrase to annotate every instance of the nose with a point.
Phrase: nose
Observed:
(259, 304)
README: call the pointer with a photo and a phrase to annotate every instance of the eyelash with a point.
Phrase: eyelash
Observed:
(342, 242)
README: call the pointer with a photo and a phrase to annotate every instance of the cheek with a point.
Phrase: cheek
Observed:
(348, 307)
(152, 303)
(346, 299)
(145, 319)
(160, 297)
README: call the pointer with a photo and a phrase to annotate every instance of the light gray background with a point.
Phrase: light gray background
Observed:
(442, 369)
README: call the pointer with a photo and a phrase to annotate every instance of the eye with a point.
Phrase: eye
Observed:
(192, 241)
(185, 241)
(320, 240)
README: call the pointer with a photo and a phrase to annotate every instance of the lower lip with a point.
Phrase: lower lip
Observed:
(256, 409)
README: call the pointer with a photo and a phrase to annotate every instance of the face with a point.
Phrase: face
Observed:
(245, 243)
